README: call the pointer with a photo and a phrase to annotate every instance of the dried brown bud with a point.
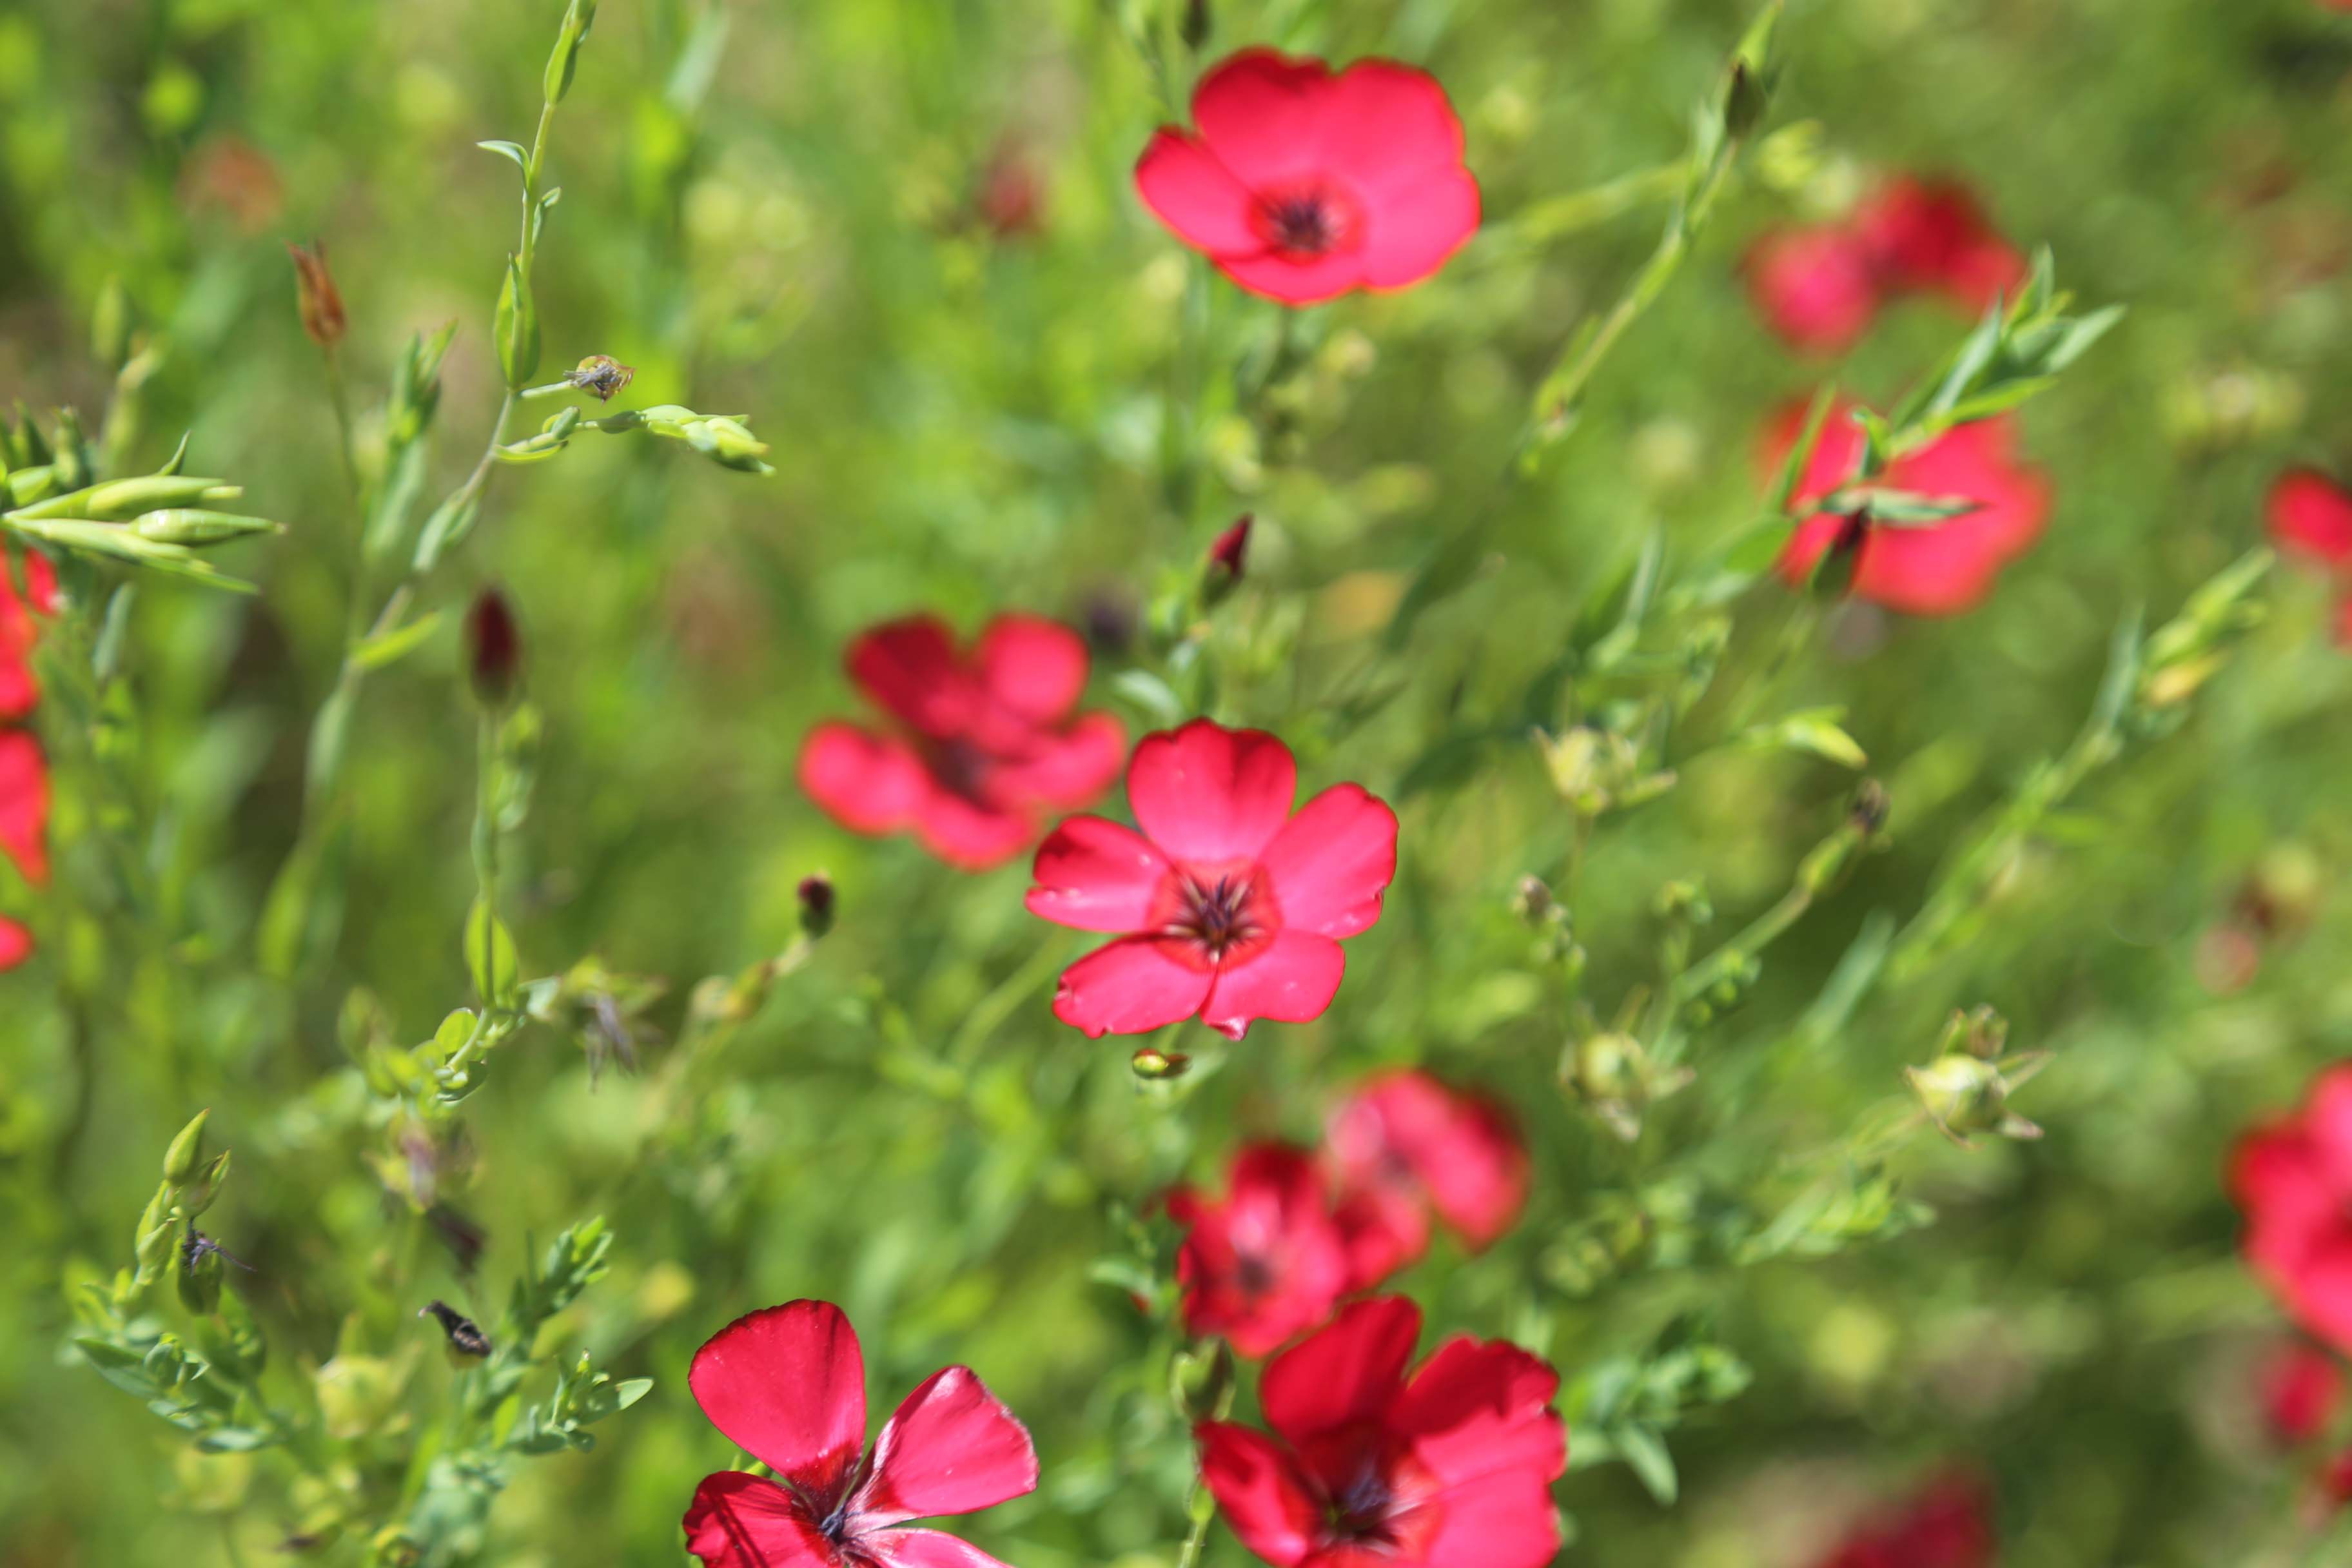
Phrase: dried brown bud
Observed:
(315, 292)
(493, 649)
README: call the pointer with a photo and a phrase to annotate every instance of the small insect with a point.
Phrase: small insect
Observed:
(196, 1247)
(466, 1336)
(602, 375)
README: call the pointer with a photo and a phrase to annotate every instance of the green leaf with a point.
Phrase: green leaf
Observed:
(516, 326)
(1149, 693)
(510, 150)
(1646, 1454)
(391, 645)
(490, 954)
(448, 525)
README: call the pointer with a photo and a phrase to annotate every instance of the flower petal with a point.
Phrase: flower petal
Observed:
(1265, 1496)
(1478, 1407)
(1505, 1520)
(1095, 875)
(1070, 767)
(951, 1447)
(1290, 979)
(1209, 794)
(1195, 196)
(1260, 112)
(2310, 516)
(1296, 281)
(1130, 987)
(16, 943)
(1032, 667)
(787, 1385)
(742, 1521)
(1344, 1374)
(924, 1548)
(1384, 1228)
(1330, 864)
(1813, 287)
(911, 668)
(867, 783)
(1385, 125)
(971, 835)
(24, 805)
(1415, 227)
(1265, 1262)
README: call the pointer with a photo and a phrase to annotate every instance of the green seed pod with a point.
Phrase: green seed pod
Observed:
(192, 525)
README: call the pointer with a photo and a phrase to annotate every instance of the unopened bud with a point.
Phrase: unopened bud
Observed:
(1152, 1064)
(816, 904)
(186, 1155)
(1201, 1381)
(1686, 900)
(577, 20)
(315, 294)
(197, 1195)
(1197, 24)
(1532, 901)
(194, 525)
(1222, 572)
(1745, 99)
(493, 649)
(110, 317)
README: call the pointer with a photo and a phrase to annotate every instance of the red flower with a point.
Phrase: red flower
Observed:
(1231, 907)
(18, 629)
(1404, 1143)
(788, 1387)
(1941, 569)
(2312, 517)
(1300, 185)
(987, 743)
(1932, 236)
(1947, 1525)
(1814, 287)
(24, 805)
(1268, 1261)
(2293, 1180)
(2300, 1385)
(1450, 1467)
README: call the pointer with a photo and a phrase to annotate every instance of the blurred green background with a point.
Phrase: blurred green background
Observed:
(786, 212)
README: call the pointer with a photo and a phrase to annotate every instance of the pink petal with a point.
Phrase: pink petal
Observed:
(1343, 1374)
(24, 805)
(1195, 196)
(1385, 125)
(2309, 515)
(1290, 979)
(1330, 864)
(1268, 1261)
(1211, 795)
(1261, 114)
(2327, 1125)
(741, 1520)
(911, 668)
(787, 1385)
(1308, 281)
(1095, 875)
(1071, 767)
(1417, 225)
(867, 783)
(924, 1548)
(1383, 1227)
(951, 1447)
(16, 943)
(1479, 1176)
(1265, 1497)
(1032, 666)
(1130, 987)
(1813, 287)
(1505, 1520)
(1480, 1407)
(971, 835)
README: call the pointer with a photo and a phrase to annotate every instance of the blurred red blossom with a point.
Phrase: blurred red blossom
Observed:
(2300, 1385)
(1266, 1261)
(24, 770)
(985, 743)
(1819, 287)
(1301, 185)
(1450, 1466)
(18, 629)
(1814, 287)
(2310, 516)
(1939, 569)
(2292, 1179)
(1011, 195)
(1948, 1524)
(1403, 1144)
(1229, 905)
(787, 1385)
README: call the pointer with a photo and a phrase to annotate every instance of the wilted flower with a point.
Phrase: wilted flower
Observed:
(787, 1385)
(1266, 1261)
(1229, 906)
(1939, 568)
(315, 293)
(1403, 1144)
(986, 739)
(2292, 1179)
(1301, 185)
(1448, 1467)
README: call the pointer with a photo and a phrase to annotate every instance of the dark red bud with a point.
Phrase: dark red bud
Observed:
(493, 649)
(816, 904)
(1232, 548)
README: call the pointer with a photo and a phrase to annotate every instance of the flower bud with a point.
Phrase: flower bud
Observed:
(111, 321)
(1221, 571)
(1745, 100)
(321, 304)
(577, 19)
(493, 649)
(1200, 1381)
(1197, 24)
(1152, 1064)
(194, 525)
(816, 904)
(1531, 900)
(186, 1154)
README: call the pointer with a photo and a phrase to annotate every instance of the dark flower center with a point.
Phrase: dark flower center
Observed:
(1219, 914)
(1305, 221)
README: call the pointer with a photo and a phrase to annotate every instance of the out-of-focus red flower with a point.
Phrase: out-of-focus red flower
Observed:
(2310, 516)
(2334, 1480)
(1011, 199)
(1405, 1144)
(1931, 235)
(2299, 1385)
(233, 178)
(24, 805)
(1266, 1261)
(1366, 1467)
(1946, 1525)
(984, 743)
(1230, 550)
(787, 1385)
(18, 629)
(1228, 906)
(2292, 1179)
(1939, 569)
(1814, 287)
(1301, 185)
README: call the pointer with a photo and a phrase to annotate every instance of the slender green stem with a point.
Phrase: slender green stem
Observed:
(1198, 1537)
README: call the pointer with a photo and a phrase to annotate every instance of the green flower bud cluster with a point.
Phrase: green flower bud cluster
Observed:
(157, 521)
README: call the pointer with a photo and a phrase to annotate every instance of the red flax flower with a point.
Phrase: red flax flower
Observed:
(1939, 569)
(984, 743)
(788, 1387)
(1403, 1144)
(1367, 1468)
(1947, 1525)
(1266, 1261)
(2300, 1385)
(1301, 185)
(1229, 905)
(1814, 287)
(2292, 1179)
(2311, 517)
(1931, 235)
(24, 774)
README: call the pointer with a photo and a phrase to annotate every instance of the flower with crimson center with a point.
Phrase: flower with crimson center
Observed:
(2292, 1179)
(1301, 185)
(1227, 906)
(788, 1387)
(985, 743)
(1366, 1467)
(1266, 1261)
